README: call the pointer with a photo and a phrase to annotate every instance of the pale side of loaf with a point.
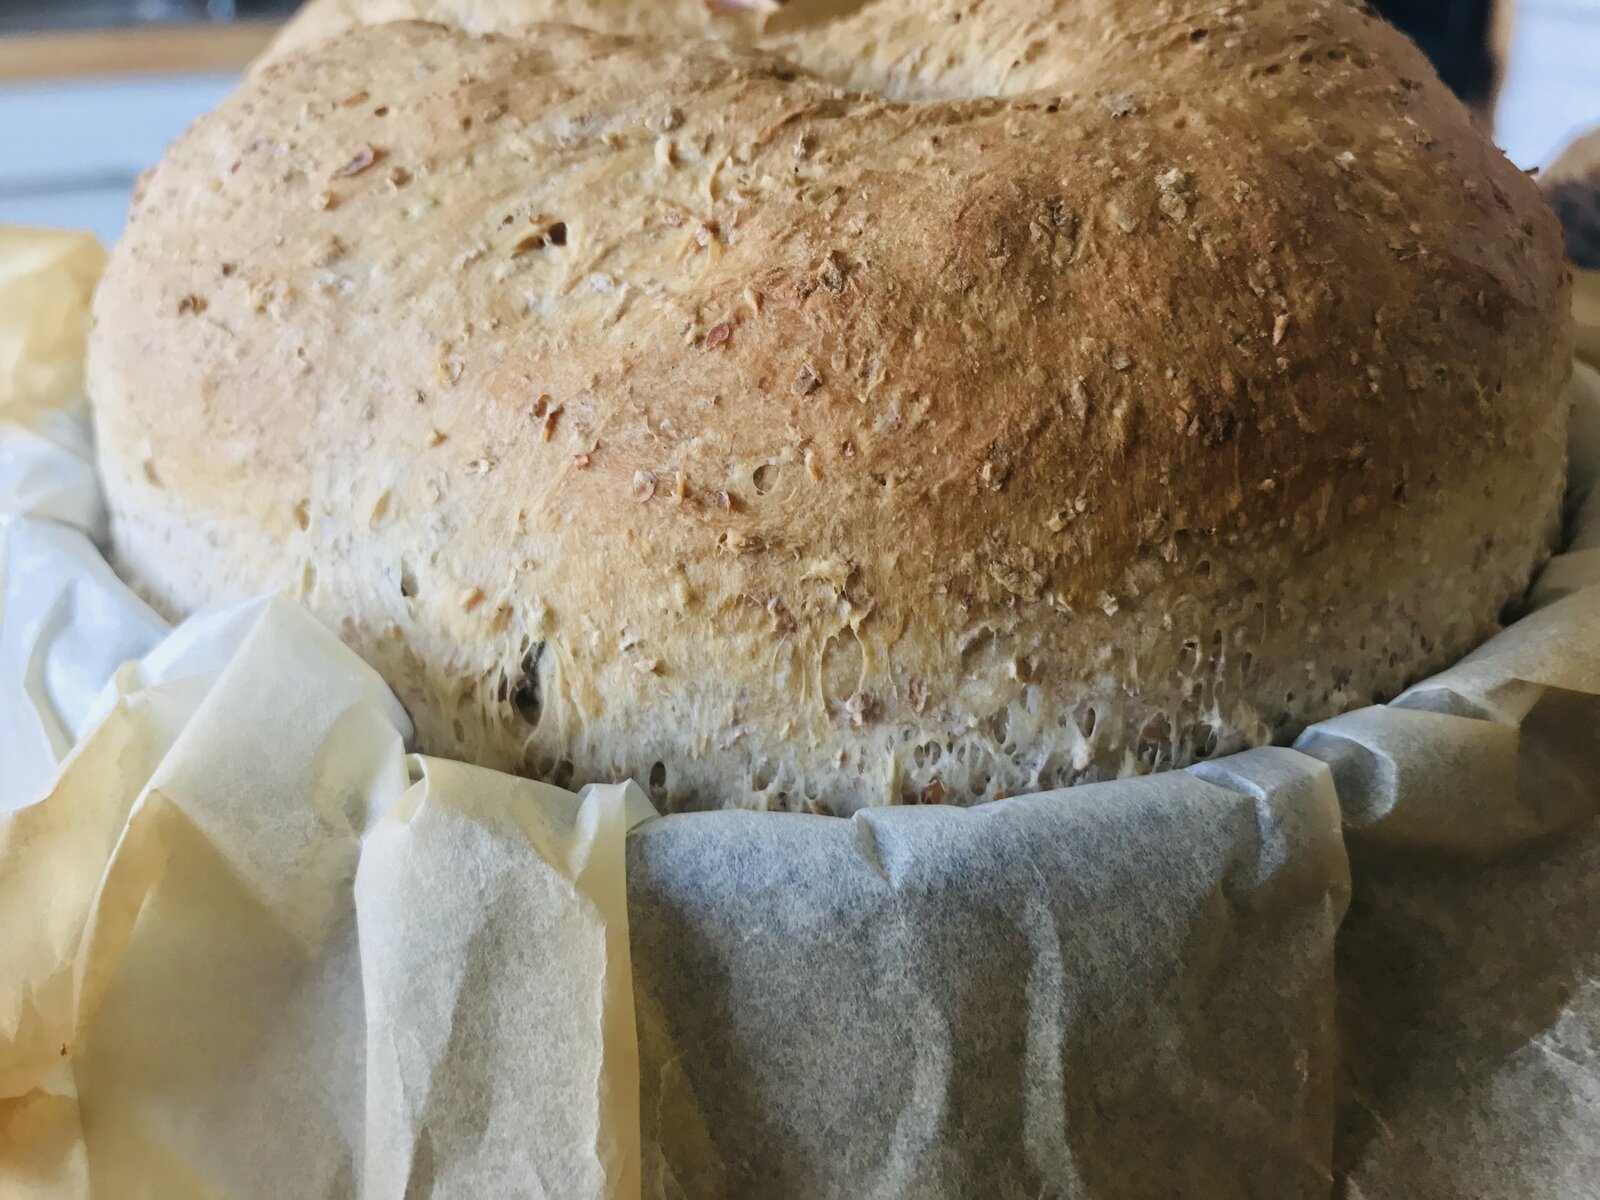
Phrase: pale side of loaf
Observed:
(320, 19)
(738, 21)
(958, 400)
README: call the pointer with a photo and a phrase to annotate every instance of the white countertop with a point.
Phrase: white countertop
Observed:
(70, 152)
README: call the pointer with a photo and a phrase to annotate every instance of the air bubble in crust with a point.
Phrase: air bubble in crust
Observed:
(526, 698)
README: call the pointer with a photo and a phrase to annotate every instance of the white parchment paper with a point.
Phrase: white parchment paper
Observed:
(1119, 990)
(281, 958)
(249, 947)
(1469, 964)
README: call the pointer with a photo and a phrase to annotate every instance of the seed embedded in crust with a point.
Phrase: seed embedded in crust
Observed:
(859, 708)
(831, 276)
(362, 159)
(1174, 193)
(917, 696)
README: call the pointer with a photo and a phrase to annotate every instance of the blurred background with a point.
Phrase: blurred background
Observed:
(92, 90)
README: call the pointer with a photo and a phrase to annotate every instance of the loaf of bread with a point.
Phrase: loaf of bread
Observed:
(939, 402)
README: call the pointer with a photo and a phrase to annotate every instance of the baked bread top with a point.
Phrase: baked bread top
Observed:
(939, 402)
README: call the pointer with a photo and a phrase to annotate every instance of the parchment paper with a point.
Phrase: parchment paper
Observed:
(269, 917)
(1117, 990)
(1469, 964)
(248, 947)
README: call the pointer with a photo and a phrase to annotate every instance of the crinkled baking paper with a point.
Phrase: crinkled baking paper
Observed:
(251, 947)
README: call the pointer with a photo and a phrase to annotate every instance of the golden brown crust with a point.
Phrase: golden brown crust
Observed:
(818, 436)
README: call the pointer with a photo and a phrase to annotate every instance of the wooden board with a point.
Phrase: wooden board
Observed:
(154, 49)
